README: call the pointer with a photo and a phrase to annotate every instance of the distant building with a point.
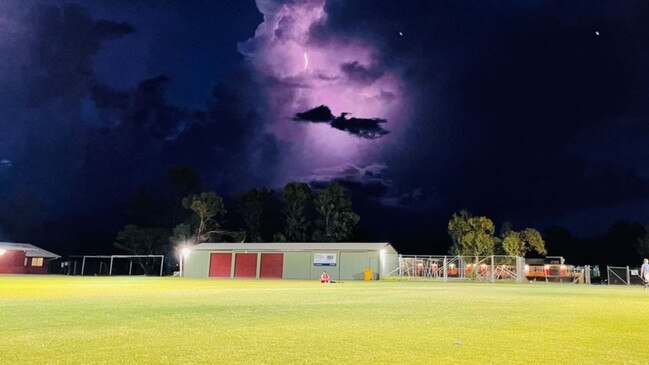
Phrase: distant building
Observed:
(343, 260)
(23, 258)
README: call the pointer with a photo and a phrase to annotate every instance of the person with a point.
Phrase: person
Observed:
(644, 272)
(324, 278)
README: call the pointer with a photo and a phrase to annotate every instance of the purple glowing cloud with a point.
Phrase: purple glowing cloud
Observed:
(298, 71)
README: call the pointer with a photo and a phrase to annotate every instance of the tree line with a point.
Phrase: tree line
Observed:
(191, 215)
(475, 236)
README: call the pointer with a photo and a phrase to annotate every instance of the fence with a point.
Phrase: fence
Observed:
(444, 268)
(491, 268)
(623, 275)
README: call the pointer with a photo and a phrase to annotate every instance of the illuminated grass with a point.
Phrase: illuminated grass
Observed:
(74, 320)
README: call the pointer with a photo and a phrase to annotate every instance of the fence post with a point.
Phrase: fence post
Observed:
(400, 267)
(445, 270)
(493, 273)
(628, 276)
(608, 275)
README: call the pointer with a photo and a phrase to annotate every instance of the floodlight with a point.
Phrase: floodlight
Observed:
(185, 251)
(2, 251)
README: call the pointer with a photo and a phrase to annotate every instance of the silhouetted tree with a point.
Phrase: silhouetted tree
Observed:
(297, 197)
(208, 208)
(643, 244)
(142, 241)
(252, 205)
(184, 180)
(336, 218)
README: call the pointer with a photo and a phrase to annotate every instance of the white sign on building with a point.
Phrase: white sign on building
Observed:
(324, 259)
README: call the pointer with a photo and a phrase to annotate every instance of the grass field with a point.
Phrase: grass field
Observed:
(80, 320)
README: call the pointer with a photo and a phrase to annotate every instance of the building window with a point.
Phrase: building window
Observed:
(37, 261)
(26, 261)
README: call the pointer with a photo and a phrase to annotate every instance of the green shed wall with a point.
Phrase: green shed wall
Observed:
(350, 265)
(296, 265)
(197, 264)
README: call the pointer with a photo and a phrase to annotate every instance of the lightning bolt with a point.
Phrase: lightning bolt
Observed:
(306, 61)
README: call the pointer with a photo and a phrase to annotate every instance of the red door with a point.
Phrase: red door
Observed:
(271, 265)
(245, 265)
(220, 264)
(13, 262)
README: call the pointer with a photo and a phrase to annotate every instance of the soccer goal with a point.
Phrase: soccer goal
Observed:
(111, 265)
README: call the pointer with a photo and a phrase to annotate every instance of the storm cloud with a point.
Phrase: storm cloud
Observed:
(368, 128)
(297, 69)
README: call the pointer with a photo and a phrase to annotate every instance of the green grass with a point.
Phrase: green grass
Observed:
(81, 320)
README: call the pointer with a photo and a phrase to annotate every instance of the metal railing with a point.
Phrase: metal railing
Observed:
(491, 268)
(445, 268)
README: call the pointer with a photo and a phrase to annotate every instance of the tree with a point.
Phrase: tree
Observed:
(297, 197)
(457, 227)
(207, 208)
(505, 228)
(336, 217)
(142, 241)
(184, 180)
(520, 243)
(472, 236)
(643, 244)
(533, 241)
(183, 234)
(251, 206)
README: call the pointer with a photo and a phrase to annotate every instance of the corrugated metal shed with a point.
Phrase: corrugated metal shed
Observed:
(29, 249)
(291, 260)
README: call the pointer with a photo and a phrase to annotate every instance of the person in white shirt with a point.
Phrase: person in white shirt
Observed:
(644, 272)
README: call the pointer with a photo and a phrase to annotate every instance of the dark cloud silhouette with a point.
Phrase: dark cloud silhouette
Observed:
(320, 113)
(368, 128)
(361, 74)
(66, 38)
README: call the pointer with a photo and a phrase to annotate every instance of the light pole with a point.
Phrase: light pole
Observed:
(184, 252)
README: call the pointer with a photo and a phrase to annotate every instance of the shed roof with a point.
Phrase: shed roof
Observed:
(30, 250)
(295, 246)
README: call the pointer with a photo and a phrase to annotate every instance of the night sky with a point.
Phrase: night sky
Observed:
(534, 112)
